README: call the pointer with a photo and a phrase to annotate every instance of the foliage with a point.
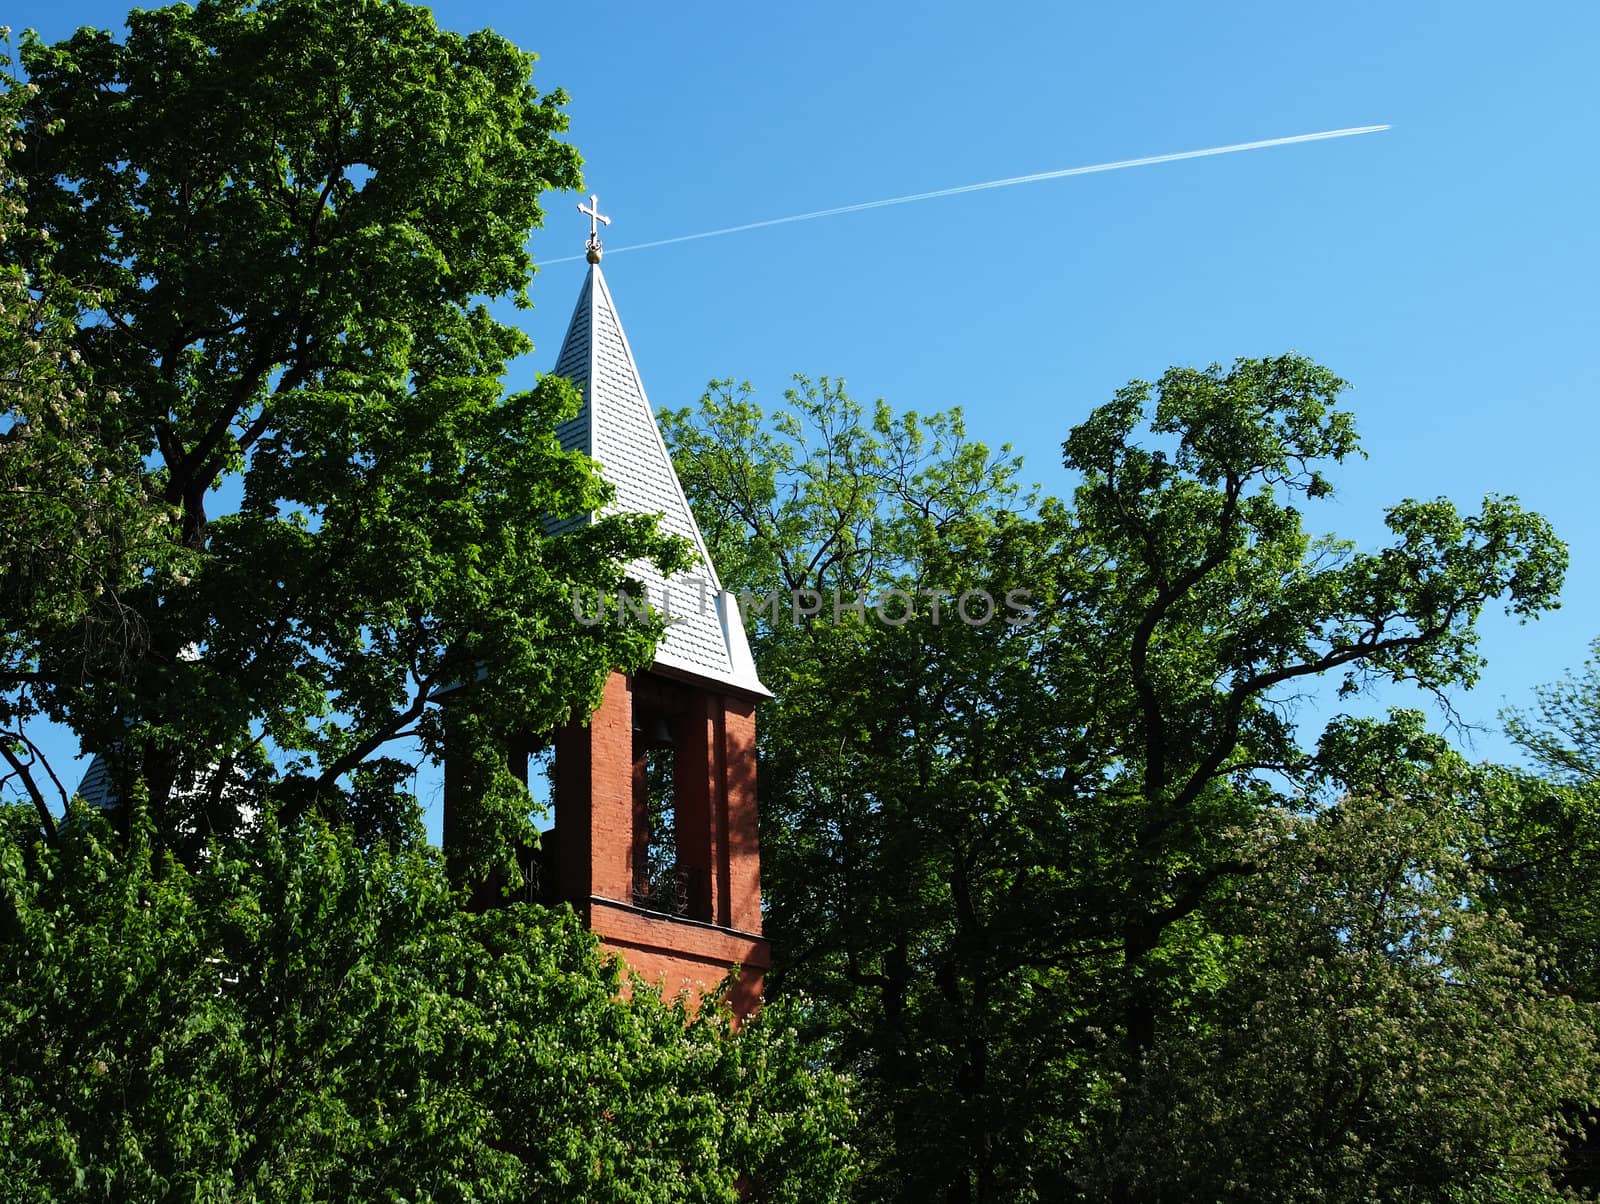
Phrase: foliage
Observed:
(897, 767)
(307, 1020)
(1003, 858)
(68, 529)
(300, 504)
(1542, 829)
(1543, 859)
(1379, 1035)
(1561, 734)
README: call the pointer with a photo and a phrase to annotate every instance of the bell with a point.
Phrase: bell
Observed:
(652, 733)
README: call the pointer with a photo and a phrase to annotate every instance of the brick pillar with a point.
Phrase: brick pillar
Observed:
(742, 861)
(594, 800)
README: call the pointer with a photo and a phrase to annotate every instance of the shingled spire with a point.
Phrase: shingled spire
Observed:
(705, 639)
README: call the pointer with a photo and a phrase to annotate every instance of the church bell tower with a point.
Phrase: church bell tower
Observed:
(655, 841)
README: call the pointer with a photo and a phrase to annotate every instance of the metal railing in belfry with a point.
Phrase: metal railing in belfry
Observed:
(669, 890)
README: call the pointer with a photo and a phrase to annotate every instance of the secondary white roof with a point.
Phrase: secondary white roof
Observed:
(616, 426)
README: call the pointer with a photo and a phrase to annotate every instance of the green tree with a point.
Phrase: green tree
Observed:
(1542, 828)
(318, 1021)
(71, 539)
(1544, 825)
(1543, 854)
(1561, 733)
(1379, 1029)
(998, 855)
(289, 216)
(901, 765)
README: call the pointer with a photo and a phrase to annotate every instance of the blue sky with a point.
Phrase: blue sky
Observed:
(1446, 268)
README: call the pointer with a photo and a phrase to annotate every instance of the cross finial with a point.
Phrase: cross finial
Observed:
(596, 220)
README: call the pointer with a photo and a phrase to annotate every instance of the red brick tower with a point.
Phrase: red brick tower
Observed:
(655, 842)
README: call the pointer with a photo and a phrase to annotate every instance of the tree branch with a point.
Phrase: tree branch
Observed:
(24, 775)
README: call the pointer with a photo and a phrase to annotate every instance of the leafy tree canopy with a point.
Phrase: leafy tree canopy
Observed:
(1011, 861)
(272, 499)
(1543, 826)
(318, 1021)
(1561, 732)
(1377, 1031)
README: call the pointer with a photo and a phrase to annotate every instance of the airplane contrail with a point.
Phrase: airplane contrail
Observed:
(1033, 178)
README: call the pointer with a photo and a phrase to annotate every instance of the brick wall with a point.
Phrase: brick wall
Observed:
(682, 955)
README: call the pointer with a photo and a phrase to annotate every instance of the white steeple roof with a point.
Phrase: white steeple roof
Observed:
(705, 639)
